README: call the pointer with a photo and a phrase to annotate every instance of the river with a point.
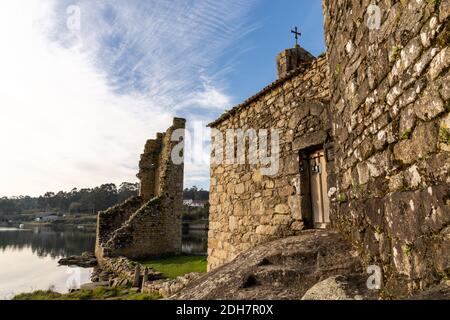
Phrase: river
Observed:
(29, 258)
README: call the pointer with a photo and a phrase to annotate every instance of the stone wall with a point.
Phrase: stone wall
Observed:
(390, 105)
(246, 207)
(290, 59)
(148, 225)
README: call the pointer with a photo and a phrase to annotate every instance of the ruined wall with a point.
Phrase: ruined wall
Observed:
(390, 104)
(150, 224)
(248, 208)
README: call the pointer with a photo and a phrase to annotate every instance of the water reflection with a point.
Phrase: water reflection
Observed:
(195, 241)
(47, 242)
(29, 259)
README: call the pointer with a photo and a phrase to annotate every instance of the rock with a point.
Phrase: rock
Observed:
(439, 292)
(87, 255)
(439, 63)
(341, 288)
(100, 275)
(104, 275)
(137, 276)
(167, 288)
(86, 260)
(281, 208)
(429, 106)
(423, 141)
(145, 279)
(122, 283)
(283, 269)
(93, 286)
(95, 278)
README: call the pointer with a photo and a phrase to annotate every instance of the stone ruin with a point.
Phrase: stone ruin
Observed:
(150, 224)
(371, 117)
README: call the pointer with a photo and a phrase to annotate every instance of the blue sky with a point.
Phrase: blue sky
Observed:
(95, 94)
(256, 67)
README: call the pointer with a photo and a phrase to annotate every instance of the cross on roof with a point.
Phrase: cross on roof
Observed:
(297, 35)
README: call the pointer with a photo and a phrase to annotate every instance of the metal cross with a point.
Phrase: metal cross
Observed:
(297, 34)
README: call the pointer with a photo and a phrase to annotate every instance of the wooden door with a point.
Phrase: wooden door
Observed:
(319, 190)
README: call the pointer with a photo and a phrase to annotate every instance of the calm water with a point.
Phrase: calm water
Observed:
(29, 258)
(195, 242)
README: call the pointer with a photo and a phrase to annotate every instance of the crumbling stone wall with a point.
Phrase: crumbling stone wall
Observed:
(150, 224)
(390, 105)
(246, 207)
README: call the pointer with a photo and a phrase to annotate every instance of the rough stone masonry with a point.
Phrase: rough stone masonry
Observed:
(378, 104)
(390, 103)
(148, 225)
(247, 208)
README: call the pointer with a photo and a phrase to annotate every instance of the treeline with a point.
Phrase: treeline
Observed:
(81, 201)
(195, 194)
(75, 201)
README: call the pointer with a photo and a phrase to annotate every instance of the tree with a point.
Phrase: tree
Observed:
(9, 207)
(76, 201)
(75, 207)
(127, 190)
(195, 194)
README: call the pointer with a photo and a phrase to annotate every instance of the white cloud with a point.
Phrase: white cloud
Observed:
(60, 124)
(208, 98)
(76, 114)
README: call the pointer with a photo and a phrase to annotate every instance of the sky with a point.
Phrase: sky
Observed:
(85, 83)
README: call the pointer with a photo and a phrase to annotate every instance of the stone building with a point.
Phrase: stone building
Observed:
(364, 144)
(248, 208)
(148, 225)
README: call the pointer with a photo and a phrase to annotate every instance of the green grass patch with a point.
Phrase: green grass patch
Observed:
(406, 135)
(395, 53)
(342, 198)
(97, 294)
(444, 135)
(173, 267)
(407, 249)
(39, 295)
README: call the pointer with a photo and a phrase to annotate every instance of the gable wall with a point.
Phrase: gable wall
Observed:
(247, 208)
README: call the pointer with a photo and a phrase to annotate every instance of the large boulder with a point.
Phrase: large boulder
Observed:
(341, 288)
(283, 269)
(439, 292)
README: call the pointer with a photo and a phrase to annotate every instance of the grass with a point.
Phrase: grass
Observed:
(338, 70)
(406, 135)
(407, 249)
(444, 135)
(173, 267)
(342, 198)
(101, 293)
(394, 53)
